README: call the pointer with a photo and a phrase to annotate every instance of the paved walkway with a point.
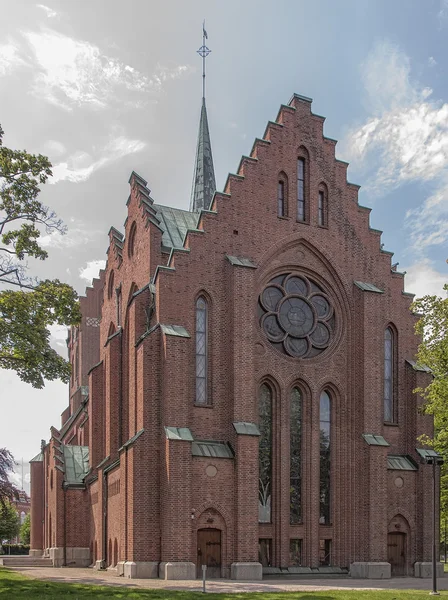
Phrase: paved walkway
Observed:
(90, 576)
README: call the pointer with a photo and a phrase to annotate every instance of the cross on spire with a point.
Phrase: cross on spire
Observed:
(204, 184)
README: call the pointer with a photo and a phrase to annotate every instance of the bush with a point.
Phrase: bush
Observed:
(15, 549)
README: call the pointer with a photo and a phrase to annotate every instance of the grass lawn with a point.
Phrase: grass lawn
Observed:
(14, 586)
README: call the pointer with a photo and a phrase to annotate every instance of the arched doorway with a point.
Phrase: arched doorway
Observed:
(209, 552)
(396, 553)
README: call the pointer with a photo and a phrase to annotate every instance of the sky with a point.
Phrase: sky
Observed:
(104, 87)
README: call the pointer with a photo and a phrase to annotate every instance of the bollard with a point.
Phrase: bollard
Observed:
(204, 571)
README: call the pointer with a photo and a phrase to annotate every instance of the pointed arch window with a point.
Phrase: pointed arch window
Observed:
(295, 457)
(325, 457)
(201, 350)
(282, 195)
(265, 455)
(322, 206)
(389, 383)
(301, 208)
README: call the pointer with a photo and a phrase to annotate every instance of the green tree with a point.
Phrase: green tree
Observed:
(25, 530)
(433, 353)
(9, 521)
(7, 490)
(29, 306)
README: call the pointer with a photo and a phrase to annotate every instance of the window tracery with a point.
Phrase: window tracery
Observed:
(295, 453)
(201, 350)
(296, 315)
(265, 455)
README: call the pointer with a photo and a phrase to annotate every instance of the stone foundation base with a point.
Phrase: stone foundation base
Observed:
(424, 569)
(246, 571)
(74, 557)
(177, 570)
(37, 553)
(120, 568)
(77, 557)
(370, 570)
(57, 556)
(99, 565)
(140, 570)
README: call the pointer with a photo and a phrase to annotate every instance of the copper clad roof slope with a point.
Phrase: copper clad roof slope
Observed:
(175, 223)
(204, 184)
(76, 459)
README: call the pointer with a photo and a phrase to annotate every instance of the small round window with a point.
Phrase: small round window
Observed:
(296, 315)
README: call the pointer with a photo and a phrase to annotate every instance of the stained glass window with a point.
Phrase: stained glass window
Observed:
(295, 453)
(265, 551)
(201, 351)
(296, 315)
(389, 375)
(325, 455)
(301, 189)
(324, 552)
(265, 455)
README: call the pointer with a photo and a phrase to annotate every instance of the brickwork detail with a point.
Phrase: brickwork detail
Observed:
(285, 312)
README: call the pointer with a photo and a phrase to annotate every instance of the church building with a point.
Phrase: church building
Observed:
(242, 386)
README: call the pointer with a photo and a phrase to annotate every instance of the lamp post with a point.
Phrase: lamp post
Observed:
(436, 461)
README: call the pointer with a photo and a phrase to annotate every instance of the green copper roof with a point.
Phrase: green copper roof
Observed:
(38, 458)
(400, 463)
(76, 459)
(424, 452)
(178, 433)
(243, 428)
(375, 440)
(204, 184)
(175, 223)
(368, 287)
(211, 449)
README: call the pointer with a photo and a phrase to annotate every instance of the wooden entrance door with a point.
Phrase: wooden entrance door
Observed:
(396, 553)
(209, 552)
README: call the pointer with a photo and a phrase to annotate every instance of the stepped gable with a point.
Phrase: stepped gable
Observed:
(298, 107)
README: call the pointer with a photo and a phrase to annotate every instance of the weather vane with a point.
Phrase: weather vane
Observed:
(203, 53)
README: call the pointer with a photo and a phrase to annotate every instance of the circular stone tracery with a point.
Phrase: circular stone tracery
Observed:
(296, 315)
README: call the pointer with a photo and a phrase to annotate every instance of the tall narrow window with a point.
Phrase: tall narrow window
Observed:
(295, 453)
(322, 209)
(281, 199)
(265, 455)
(325, 466)
(389, 412)
(201, 351)
(301, 216)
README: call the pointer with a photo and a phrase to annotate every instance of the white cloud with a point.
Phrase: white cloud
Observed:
(54, 148)
(423, 279)
(405, 140)
(81, 165)
(432, 61)
(75, 236)
(91, 270)
(75, 73)
(48, 11)
(58, 338)
(10, 58)
(443, 12)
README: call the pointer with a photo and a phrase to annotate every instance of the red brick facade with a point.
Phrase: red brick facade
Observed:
(147, 495)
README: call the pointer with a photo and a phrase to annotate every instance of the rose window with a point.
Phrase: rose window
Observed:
(296, 315)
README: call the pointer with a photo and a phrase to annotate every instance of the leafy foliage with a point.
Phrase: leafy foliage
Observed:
(7, 490)
(433, 353)
(25, 530)
(9, 521)
(26, 313)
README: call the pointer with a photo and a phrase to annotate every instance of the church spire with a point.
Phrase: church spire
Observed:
(204, 184)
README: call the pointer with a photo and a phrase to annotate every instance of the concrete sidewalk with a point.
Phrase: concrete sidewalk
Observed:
(90, 576)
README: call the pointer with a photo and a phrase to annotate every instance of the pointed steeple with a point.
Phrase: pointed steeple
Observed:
(204, 184)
